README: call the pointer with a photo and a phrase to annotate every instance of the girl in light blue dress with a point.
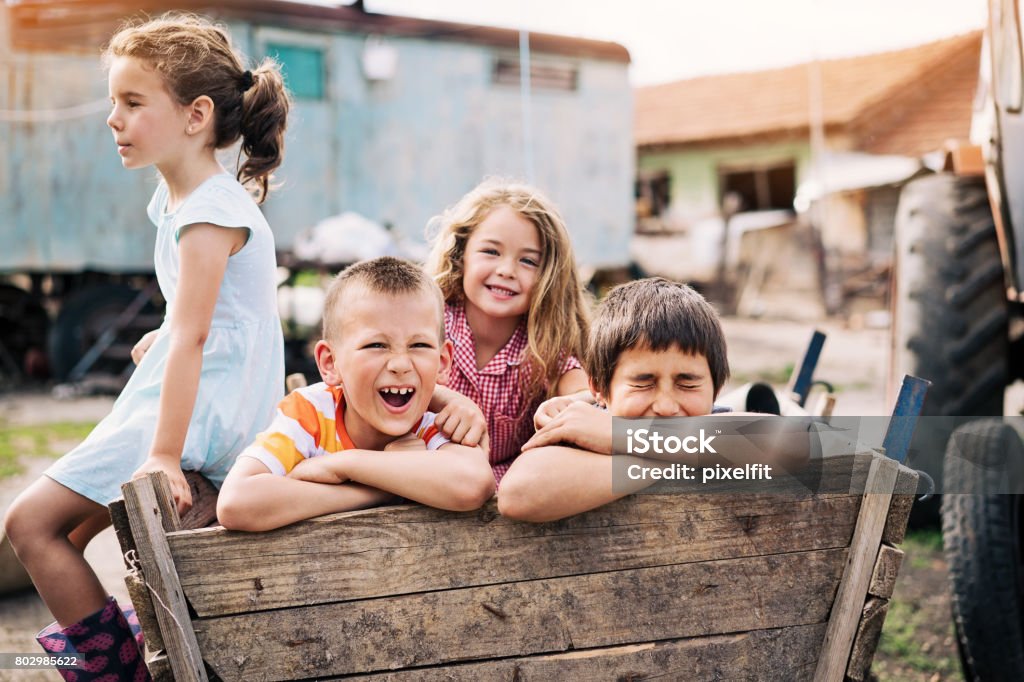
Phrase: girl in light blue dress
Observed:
(209, 378)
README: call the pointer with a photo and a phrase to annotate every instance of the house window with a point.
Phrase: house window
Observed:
(652, 192)
(303, 69)
(543, 75)
(760, 188)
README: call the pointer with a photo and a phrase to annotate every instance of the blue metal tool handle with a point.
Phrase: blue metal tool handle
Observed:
(904, 417)
(804, 378)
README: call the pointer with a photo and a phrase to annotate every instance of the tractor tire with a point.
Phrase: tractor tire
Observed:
(23, 328)
(83, 318)
(950, 312)
(981, 528)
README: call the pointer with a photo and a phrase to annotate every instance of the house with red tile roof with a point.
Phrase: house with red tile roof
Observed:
(749, 136)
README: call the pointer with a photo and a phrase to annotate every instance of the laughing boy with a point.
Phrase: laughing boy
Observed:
(363, 436)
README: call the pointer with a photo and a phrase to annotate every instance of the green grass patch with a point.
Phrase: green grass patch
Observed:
(41, 440)
(309, 278)
(921, 544)
(902, 639)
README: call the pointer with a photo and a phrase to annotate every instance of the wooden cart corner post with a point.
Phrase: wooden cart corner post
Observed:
(698, 586)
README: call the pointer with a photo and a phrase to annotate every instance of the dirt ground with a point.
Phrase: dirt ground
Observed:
(917, 644)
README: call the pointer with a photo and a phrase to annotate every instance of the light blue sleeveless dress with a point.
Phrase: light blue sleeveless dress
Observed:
(243, 360)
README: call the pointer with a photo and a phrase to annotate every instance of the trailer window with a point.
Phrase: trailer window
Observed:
(303, 69)
(543, 75)
(1006, 50)
(761, 188)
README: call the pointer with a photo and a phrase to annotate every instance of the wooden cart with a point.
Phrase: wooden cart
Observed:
(699, 586)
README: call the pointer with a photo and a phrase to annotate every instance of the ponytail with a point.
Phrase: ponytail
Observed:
(264, 116)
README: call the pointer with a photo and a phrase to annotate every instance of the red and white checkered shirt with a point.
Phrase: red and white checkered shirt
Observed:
(495, 388)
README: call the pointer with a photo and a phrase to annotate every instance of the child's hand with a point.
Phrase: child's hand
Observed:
(549, 409)
(318, 470)
(140, 349)
(579, 423)
(408, 442)
(179, 486)
(462, 422)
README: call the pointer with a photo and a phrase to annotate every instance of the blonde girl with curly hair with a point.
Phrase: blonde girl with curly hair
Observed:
(515, 311)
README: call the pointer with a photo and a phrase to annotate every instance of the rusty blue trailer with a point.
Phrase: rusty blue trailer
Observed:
(394, 118)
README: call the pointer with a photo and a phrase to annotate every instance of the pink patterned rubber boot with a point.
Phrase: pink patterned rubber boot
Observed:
(107, 644)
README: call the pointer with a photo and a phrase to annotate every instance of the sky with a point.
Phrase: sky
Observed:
(675, 39)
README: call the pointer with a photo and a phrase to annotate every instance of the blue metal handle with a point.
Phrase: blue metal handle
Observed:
(904, 417)
(804, 378)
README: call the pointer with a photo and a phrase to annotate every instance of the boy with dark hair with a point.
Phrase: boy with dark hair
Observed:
(363, 436)
(656, 349)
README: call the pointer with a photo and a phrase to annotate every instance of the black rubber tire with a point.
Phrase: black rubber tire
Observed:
(950, 325)
(981, 529)
(950, 312)
(82, 319)
(23, 323)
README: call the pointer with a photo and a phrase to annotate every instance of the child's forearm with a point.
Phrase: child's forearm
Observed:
(574, 383)
(266, 501)
(455, 478)
(550, 483)
(177, 396)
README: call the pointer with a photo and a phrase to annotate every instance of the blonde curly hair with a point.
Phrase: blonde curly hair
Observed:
(558, 319)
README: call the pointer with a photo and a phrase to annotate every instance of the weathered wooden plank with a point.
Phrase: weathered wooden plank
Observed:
(160, 669)
(523, 618)
(887, 568)
(141, 599)
(899, 509)
(148, 503)
(868, 632)
(404, 550)
(770, 655)
(143, 605)
(203, 511)
(122, 528)
(849, 602)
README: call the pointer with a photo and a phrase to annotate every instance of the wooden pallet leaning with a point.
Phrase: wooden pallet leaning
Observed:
(779, 585)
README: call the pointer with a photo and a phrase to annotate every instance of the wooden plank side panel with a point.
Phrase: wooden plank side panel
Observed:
(524, 618)
(405, 550)
(148, 503)
(869, 630)
(140, 597)
(849, 602)
(770, 655)
(203, 511)
(899, 509)
(887, 569)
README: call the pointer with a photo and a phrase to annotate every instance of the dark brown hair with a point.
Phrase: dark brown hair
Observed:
(194, 57)
(385, 275)
(657, 314)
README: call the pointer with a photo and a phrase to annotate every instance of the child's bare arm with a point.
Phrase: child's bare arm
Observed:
(455, 477)
(204, 251)
(572, 387)
(254, 499)
(578, 423)
(574, 384)
(553, 482)
(458, 417)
